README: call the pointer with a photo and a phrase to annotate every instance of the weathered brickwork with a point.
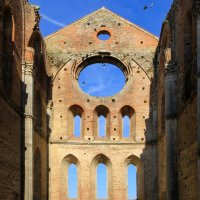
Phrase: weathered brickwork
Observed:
(17, 54)
(177, 60)
(70, 50)
(10, 99)
(40, 96)
(80, 41)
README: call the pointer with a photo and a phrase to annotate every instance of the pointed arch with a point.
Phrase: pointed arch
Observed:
(127, 127)
(101, 159)
(75, 122)
(165, 35)
(36, 54)
(139, 179)
(65, 190)
(165, 54)
(126, 130)
(101, 112)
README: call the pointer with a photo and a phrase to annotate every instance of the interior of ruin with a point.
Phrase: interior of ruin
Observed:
(49, 126)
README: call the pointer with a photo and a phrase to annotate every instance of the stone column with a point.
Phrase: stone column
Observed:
(29, 120)
(49, 128)
(170, 130)
(196, 12)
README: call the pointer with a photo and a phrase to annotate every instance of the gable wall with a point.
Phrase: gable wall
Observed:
(67, 49)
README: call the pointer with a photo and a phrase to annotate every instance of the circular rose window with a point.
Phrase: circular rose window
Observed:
(101, 79)
(103, 35)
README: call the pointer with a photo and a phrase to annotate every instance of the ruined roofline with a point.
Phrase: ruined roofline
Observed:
(167, 19)
(99, 10)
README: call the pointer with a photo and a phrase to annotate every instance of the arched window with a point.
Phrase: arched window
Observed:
(74, 122)
(101, 177)
(102, 182)
(72, 181)
(132, 182)
(37, 45)
(77, 126)
(101, 121)
(69, 178)
(126, 126)
(8, 39)
(128, 122)
(135, 178)
(101, 126)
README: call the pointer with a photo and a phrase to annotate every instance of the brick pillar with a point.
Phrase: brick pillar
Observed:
(29, 120)
(85, 184)
(119, 180)
(170, 130)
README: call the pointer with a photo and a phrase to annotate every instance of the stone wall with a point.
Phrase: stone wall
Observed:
(70, 50)
(17, 60)
(177, 55)
(36, 85)
(163, 102)
(11, 47)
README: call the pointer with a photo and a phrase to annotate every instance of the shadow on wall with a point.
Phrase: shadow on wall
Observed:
(149, 155)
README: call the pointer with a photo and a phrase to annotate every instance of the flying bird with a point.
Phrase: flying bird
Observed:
(103, 65)
(151, 6)
(145, 7)
(83, 82)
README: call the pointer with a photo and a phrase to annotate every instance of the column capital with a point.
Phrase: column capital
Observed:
(196, 8)
(28, 69)
(170, 68)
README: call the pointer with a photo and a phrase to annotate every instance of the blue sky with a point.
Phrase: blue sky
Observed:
(108, 79)
(102, 184)
(57, 14)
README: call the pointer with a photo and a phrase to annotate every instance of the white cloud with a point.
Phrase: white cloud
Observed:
(98, 88)
(53, 21)
(100, 85)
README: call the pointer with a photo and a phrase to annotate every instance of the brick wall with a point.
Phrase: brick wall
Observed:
(182, 37)
(10, 101)
(129, 47)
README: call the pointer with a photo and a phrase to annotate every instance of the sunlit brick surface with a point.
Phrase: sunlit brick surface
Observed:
(71, 49)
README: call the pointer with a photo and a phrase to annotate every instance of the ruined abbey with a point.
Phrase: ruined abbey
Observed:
(40, 97)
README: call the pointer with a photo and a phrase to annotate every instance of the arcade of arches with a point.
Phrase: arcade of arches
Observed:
(50, 128)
